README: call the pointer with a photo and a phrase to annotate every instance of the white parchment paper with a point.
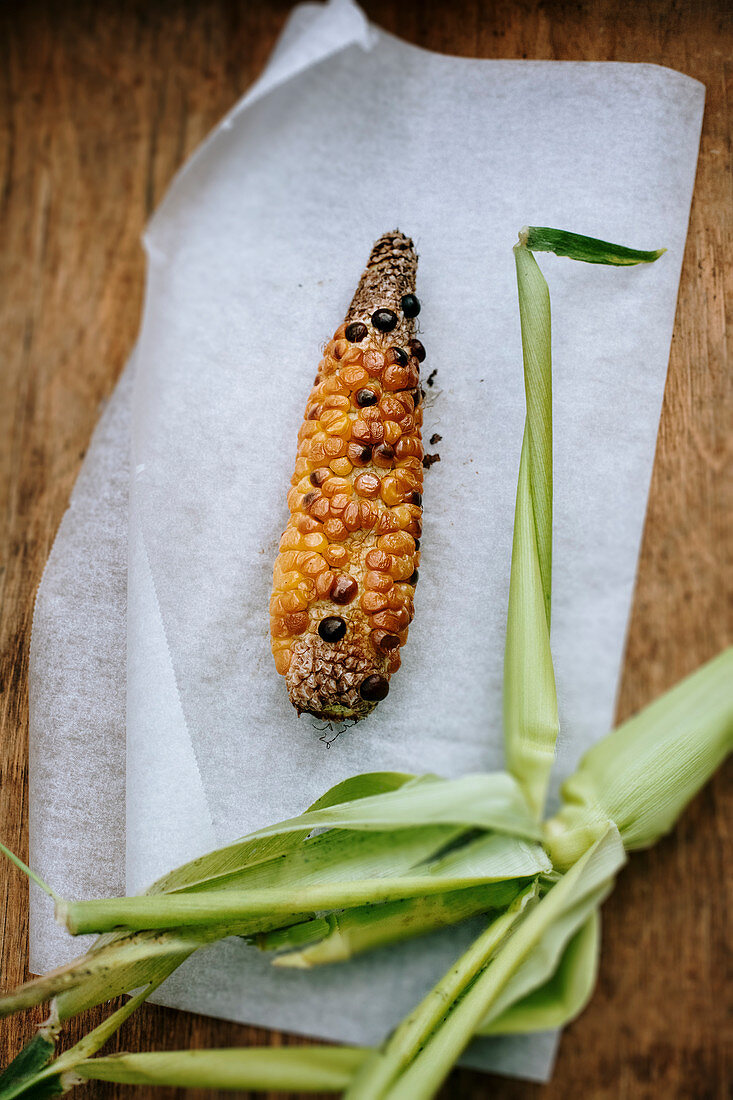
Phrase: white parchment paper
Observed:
(253, 258)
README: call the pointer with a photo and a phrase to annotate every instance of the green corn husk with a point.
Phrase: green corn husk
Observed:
(290, 1069)
(345, 935)
(643, 774)
(507, 976)
(530, 700)
(490, 858)
(564, 995)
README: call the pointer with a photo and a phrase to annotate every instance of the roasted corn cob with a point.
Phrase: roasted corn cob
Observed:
(345, 576)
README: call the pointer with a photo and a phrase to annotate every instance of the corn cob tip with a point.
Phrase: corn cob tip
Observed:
(345, 577)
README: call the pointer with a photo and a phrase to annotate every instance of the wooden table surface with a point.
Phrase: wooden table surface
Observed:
(99, 105)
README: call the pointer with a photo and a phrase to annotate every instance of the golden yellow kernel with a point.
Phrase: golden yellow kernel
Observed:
(316, 540)
(367, 485)
(337, 401)
(282, 661)
(386, 522)
(334, 421)
(288, 561)
(339, 348)
(278, 629)
(395, 377)
(372, 601)
(377, 582)
(290, 539)
(339, 502)
(324, 584)
(306, 524)
(307, 430)
(377, 559)
(333, 485)
(341, 467)
(392, 431)
(335, 530)
(373, 362)
(409, 446)
(391, 621)
(391, 494)
(333, 384)
(321, 509)
(336, 555)
(354, 376)
(351, 516)
(311, 564)
(352, 356)
(367, 514)
(402, 568)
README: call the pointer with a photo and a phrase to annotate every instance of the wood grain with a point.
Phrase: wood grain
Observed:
(99, 104)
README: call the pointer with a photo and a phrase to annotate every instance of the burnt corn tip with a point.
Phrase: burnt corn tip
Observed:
(345, 575)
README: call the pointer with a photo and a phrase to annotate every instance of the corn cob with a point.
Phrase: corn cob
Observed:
(345, 576)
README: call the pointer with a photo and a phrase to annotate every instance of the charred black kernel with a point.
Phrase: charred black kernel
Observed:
(319, 476)
(385, 451)
(417, 544)
(332, 629)
(355, 332)
(417, 350)
(374, 688)
(384, 320)
(388, 642)
(414, 578)
(398, 355)
(366, 397)
(344, 589)
(310, 498)
(410, 305)
(413, 497)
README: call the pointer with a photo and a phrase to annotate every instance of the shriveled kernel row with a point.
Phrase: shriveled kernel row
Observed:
(347, 568)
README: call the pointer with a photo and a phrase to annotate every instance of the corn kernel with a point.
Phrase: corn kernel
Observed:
(316, 540)
(354, 376)
(351, 516)
(333, 485)
(367, 485)
(324, 584)
(378, 560)
(336, 555)
(282, 661)
(335, 530)
(386, 523)
(321, 509)
(307, 525)
(402, 568)
(373, 362)
(395, 377)
(341, 467)
(297, 622)
(377, 582)
(372, 602)
(391, 493)
(339, 348)
(391, 621)
(394, 660)
(311, 564)
(335, 422)
(367, 514)
(408, 446)
(290, 539)
(339, 501)
(335, 446)
(337, 401)
(392, 431)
